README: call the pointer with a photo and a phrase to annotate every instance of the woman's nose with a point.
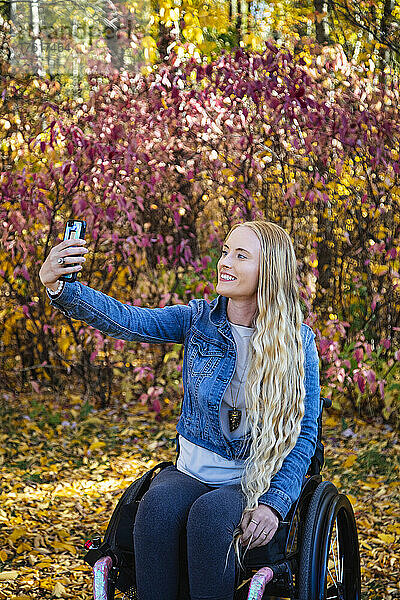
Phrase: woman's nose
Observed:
(226, 261)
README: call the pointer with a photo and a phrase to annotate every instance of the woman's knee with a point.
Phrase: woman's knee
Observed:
(216, 512)
(160, 505)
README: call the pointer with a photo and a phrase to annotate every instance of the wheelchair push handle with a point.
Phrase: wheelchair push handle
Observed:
(258, 583)
(101, 571)
(326, 402)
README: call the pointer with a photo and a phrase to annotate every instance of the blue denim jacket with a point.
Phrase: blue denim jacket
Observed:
(209, 363)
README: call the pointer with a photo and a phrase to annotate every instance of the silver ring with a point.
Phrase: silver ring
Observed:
(265, 533)
(255, 522)
(61, 260)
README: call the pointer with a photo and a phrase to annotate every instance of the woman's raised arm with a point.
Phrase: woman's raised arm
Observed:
(118, 320)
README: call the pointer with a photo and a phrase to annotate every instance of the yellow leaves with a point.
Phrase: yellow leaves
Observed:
(379, 269)
(193, 34)
(8, 575)
(64, 547)
(59, 591)
(65, 343)
(386, 537)
(331, 421)
(43, 564)
(96, 445)
(191, 19)
(24, 547)
(353, 500)
(350, 460)
(254, 41)
(149, 42)
(17, 534)
(8, 328)
(3, 555)
(31, 326)
(150, 48)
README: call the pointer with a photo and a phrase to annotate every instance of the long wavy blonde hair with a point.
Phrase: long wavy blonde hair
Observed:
(274, 388)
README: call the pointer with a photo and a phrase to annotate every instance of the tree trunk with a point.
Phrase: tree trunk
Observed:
(321, 22)
(384, 52)
(112, 25)
(325, 258)
(243, 18)
(36, 42)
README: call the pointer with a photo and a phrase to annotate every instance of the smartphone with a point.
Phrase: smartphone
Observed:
(74, 230)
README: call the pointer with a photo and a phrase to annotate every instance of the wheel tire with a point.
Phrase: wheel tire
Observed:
(312, 538)
(340, 552)
(330, 561)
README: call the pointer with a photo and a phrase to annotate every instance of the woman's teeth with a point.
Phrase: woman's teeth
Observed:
(227, 278)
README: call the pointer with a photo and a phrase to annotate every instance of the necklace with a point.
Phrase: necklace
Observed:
(235, 414)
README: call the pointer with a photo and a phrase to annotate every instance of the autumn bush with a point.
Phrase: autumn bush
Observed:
(160, 166)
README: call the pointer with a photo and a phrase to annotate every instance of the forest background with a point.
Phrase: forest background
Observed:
(162, 124)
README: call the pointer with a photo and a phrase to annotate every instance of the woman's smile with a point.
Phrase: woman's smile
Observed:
(227, 277)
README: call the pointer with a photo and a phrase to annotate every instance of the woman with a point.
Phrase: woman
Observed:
(248, 426)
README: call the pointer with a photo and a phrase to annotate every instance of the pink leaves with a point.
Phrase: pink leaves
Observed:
(152, 397)
(164, 299)
(358, 354)
(360, 381)
(119, 345)
(22, 271)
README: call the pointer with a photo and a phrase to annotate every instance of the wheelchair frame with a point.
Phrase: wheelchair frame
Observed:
(319, 524)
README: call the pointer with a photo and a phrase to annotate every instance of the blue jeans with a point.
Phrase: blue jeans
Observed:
(182, 533)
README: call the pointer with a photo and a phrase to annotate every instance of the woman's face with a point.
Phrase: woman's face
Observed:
(239, 265)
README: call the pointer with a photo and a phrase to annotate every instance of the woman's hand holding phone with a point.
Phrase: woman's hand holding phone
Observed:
(72, 252)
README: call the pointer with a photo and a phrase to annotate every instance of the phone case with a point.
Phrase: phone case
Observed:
(74, 229)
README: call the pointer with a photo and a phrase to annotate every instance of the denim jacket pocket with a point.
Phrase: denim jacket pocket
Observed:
(203, 355)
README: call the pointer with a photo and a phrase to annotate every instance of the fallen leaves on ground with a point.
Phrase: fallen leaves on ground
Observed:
(61, 478)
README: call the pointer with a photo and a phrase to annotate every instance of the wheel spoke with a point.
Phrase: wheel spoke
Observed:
(333, 580)
(337, 547)
(334, 556)
(342, 569)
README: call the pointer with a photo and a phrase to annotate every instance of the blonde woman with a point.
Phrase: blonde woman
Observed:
(248, 427)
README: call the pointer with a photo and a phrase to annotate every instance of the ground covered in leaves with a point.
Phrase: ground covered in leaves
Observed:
(63, 470)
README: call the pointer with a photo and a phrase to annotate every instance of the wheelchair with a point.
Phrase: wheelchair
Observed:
(314, 554)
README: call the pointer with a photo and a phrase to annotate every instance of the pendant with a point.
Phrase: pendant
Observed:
(234, 418)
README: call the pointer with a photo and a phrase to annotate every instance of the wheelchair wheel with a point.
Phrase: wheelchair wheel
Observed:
(329, 558)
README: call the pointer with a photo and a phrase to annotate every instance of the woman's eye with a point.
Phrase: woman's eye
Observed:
(242, 256)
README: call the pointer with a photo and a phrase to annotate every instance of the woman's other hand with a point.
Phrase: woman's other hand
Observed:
(261, 523)
(72, 251)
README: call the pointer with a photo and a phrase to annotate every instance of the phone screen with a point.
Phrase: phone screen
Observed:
(74, 230)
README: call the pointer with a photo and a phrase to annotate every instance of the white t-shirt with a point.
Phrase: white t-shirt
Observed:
(203, 464)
